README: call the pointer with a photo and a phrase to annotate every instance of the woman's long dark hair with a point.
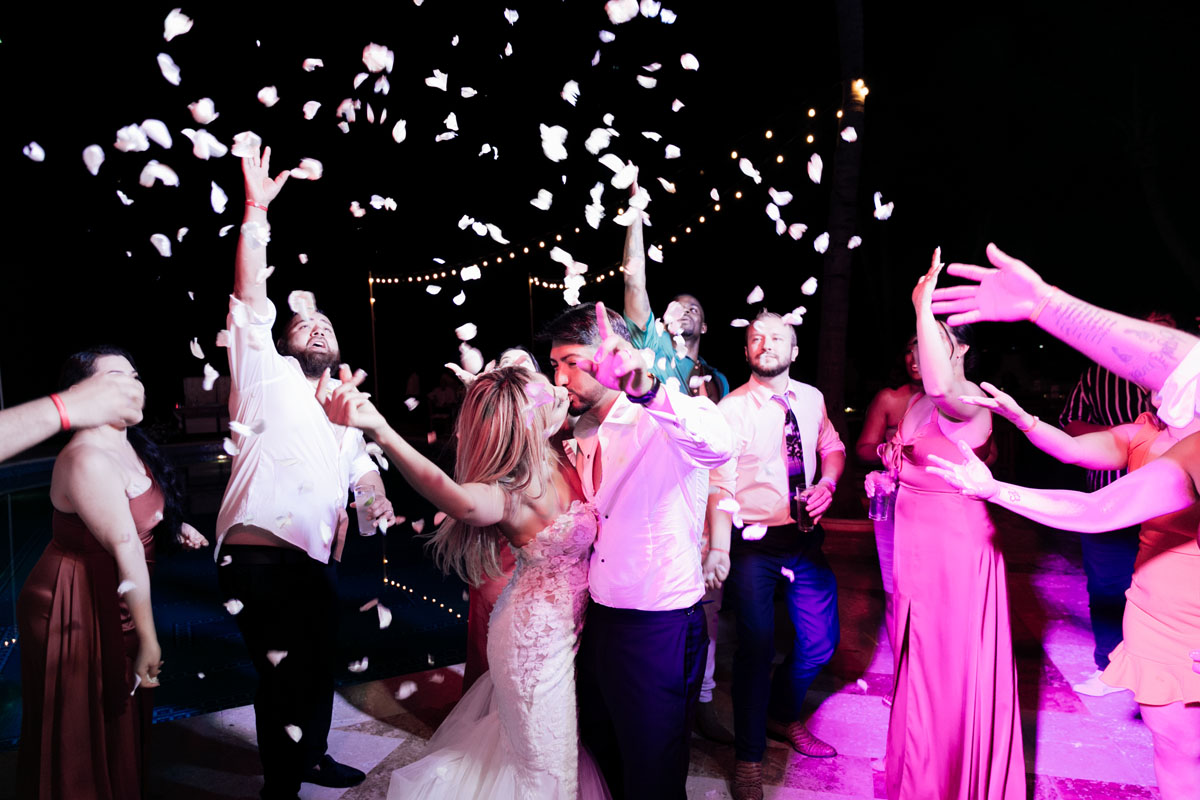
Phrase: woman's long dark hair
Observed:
(83, 365)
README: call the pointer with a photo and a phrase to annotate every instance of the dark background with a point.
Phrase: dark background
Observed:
(1061, 131)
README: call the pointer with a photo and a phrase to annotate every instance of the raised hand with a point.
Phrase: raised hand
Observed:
(1002, 404)
(1009, 292)
(972, 477)
(345, 404)
(617, 364)
(260, 187)
(923, 292)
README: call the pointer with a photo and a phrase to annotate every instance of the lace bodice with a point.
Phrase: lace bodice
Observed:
(533, 636)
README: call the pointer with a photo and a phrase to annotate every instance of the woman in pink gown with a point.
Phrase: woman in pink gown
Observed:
(955, 729)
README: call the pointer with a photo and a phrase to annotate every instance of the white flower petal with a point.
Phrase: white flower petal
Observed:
(672, 151)
(257, 234)
(655, 67)
(438, 80)
(293, 732)
(640, 199)
(647, 82)
(815, 165)
(797, 229)
(594, 214)
(225, 231)
(810, 286)
(407, 689)
(752, 533)
(34, 152)
(854, 242)
(882, 210)
(655, 253)
(234, 607)
(382, 85)
(311, 108)
(780, 198)
(358, 666)
(263, 274)
(245, 144)
(268, 96)
(132, 139)
(570, 92)
(821, 243)
(787, 573)
(459, 298)
(433, 288)
(162, 244)
(275, 656)
(303, 258)
(439, 517)
(676, 105)
(553, 139)
(378, 58)
(230, 447)
(205, 145)
(467, 92)
(454, 41)
(411, 403)
(621, 11)
(748, 169)
(689, 61)
(125, 587)
(466, 332)
(755, 296)
(780, 227)
(772, 211)
(445, 137)
(667, 16)
(740, 323)
(543, 200)
(125, 199)
(385, 616)
(169, 69)
(451, 122)
(359, 78)
(471, 273)
(176, 24)
(203, 111)
(302, 303)
(650, 8)
(156, 131)
(310, 64)
(93, 157)
(511, 15)
(612, 161)
(508, 51)
(849, 134)
(310, 169)
(625, 177)
(666, 184)
(218, 198)
(495, 233)
(400, 131)
(179, 234)
(470, 358)
(607, 36)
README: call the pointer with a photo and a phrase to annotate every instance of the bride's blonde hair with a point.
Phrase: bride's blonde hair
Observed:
(499, 442)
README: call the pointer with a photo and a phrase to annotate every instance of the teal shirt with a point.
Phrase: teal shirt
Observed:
(681, 369)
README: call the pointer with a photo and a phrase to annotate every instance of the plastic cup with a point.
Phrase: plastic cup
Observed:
(364, 498)
(805, 523)
(884, 500)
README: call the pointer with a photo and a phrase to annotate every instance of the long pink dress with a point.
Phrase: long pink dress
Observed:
(955, 731)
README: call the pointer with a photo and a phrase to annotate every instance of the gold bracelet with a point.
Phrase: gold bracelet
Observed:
(1032, 425)
(1041, 305)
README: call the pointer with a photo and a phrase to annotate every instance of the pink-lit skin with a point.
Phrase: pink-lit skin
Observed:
(1010, 291)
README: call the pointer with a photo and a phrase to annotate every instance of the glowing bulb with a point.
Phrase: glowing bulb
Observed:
(717, 207)
(558, 237)
(737, 195)
(443, 274)
(526, 250)
(809, 139)
(484, 264)
(577, 230)
(612, 272)
(733, 154)
(839, 114)
(372, 301)
(701, 219)
(769, 134)
(370, 280)
(687, 229)
(779, 159)
(812, 112)
(673, 239)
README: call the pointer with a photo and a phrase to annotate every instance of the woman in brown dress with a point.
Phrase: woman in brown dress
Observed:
(89, 652)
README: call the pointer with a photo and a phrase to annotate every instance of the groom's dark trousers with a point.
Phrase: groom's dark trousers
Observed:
(639, 682)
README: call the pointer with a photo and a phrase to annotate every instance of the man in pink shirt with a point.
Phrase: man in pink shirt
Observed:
(782, 434)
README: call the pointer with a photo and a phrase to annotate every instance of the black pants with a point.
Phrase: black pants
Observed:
(1108, 560)
(639, 682)
(289, 604)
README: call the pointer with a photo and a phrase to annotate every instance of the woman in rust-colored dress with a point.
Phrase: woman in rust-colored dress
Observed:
(89, 652)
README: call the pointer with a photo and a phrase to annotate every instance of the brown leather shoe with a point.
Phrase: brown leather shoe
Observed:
(747, 781)
(801, 739)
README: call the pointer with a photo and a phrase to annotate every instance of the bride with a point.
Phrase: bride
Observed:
(514, 734)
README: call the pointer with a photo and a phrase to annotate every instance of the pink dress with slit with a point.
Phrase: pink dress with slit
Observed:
(955, 730)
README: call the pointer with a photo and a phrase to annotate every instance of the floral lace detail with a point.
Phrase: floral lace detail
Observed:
(532, 640)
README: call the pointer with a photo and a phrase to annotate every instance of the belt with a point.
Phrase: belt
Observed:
(261, 554)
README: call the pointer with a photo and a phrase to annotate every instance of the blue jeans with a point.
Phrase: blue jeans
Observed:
(811, 600)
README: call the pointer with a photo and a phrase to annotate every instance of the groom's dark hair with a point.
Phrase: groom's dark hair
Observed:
(578, 326)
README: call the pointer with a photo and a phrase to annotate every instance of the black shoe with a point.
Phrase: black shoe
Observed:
(330, 773)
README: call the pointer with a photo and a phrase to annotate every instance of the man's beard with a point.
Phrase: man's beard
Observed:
(315, 362)
(769, 372)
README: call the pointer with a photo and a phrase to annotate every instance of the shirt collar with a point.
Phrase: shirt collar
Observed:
(761, 393)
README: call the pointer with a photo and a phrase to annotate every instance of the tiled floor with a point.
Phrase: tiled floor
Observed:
(1077, 748)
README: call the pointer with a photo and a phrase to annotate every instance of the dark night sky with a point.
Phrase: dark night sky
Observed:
(1060, 132)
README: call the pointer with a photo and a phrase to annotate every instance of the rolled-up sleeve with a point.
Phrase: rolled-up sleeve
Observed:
(828, 440)
(252, 354)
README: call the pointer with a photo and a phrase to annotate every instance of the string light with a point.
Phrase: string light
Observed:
(809, 140)
(769, 134)
(812, 112)
(779, 159)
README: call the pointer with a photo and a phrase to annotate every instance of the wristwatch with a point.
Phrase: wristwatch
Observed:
(648, 397)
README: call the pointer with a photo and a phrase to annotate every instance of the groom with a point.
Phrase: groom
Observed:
(643, 455)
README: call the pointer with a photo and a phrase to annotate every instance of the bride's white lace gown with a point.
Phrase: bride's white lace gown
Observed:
(515, 733)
